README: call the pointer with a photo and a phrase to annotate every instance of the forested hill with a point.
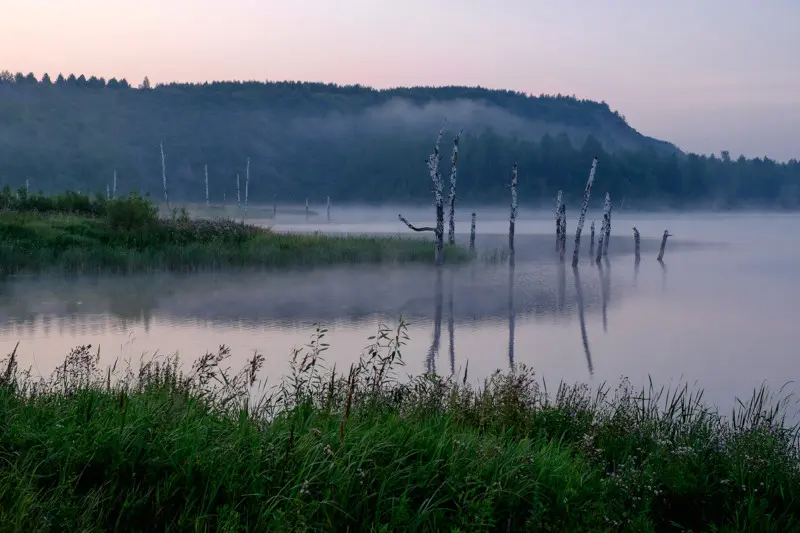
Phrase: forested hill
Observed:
(352, 143)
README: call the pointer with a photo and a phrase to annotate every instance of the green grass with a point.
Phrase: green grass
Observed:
(160, 450)
(127, 236)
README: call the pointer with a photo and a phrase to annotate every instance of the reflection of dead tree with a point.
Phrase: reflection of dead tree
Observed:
(512, 317)
(436, 178)
(605, 290)
(663, 276)
(451, 327)
(582, 319)
(437, 322)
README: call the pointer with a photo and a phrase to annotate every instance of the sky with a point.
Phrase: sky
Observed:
(706, 75)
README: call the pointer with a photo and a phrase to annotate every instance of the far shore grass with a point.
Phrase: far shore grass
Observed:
(158, 448)
(73, 233)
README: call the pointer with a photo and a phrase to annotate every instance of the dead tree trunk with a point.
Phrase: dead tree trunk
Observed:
(607, 229)
(306, 208)
(328, 208)
(559, 201)
(246, 187)
(238, 193)
(438, 187)
(512, 219)
(586, 194)
(636, 244)
(472, 234)
(114, 186)
(562, 244)
(451, 229)
(208, 202)
(600, 240)
(164, 174)
(663, 245)
(591, 240)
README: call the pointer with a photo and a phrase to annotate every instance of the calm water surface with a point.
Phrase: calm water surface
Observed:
(721, 314)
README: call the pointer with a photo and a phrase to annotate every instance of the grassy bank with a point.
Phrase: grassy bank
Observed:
(155, 449)
(77, 234)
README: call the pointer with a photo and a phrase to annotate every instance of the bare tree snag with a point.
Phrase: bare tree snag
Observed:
(663, 245)
(584, 206)
(451, 230)
(438, 186)
(607, 229)
(512, 219)
(205, 169)
(164, 174)
(472, 234)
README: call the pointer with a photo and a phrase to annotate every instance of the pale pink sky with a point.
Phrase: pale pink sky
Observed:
(709, 76)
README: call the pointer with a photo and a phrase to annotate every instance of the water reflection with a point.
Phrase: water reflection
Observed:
(512, 317)
(604, 268)
(451, 324)
(582, 320)
(433, 352)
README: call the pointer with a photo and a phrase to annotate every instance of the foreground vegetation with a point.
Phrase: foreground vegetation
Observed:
(75, 233)
(161, 450)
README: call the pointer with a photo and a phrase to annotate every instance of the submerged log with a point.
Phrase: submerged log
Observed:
(584, 206)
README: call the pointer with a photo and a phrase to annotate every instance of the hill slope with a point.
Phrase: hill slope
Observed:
(350, 142)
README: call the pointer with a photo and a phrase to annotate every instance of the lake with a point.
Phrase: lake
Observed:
(720, 314)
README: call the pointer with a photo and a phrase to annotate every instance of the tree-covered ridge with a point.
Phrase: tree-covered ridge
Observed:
(352, 143)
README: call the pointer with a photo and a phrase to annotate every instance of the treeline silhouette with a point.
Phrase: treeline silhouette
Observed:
(353, 143)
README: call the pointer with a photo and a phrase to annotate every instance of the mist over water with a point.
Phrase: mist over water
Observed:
(720, 313)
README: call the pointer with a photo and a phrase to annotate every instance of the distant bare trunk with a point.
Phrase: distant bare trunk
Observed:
(472, 234)
(274, 206)
(559, 201)
(114, 186)
(591, 240)
(328, 208)
(238, 193)
(607, 215)
(636, 244)
(663, 245)
(306, 208)
(451, 231)
(164, 175)
(586, 194)
(246, 187)
(562, 243)
(512, 219)
(208, 202)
